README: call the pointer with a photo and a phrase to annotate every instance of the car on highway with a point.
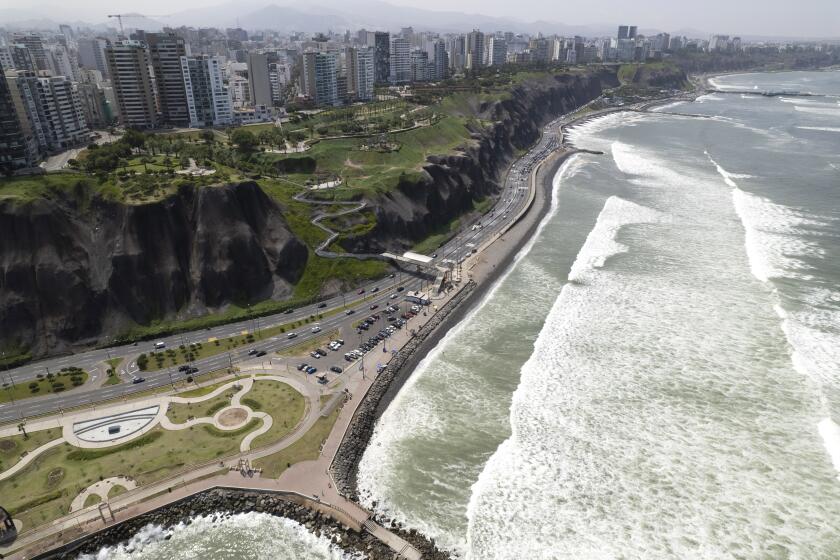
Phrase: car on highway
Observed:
(349, 312)
(184, 368)
(394, 296)
(291, 335)
(392, 275)
(400, 288)
(336, 369)
(289, 311)
(360, 292)
(260, 353)
(138, 380)
(159, 345)
(374, 306)
(322, 305)
(316, 328)
(252, 352)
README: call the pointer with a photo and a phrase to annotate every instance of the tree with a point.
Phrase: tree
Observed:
(208, 136)
(22, 428)
(243, 140)
(142, 361)
(134, 138)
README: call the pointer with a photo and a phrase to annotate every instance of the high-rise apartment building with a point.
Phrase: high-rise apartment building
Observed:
(365, 74)
(165, 51)
(129, 67)
(35, 46)
(350, 70)
(259, 80)
(400, 72)
(382, 56)
(420, 68)
(208, 98)
(498, 51)
(22, 58)
(320, 79)
(17, 149)
(53, 109)
(441, 61)
(475, 49)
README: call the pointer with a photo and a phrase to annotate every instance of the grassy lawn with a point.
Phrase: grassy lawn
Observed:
(14, 448)
(44, 490)
(306, 448)
(92, 500)
(201, 391)
(116, 490)
(65, 380)
(180, 413)
(285, 405)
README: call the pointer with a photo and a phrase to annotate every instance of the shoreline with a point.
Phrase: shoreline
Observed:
(496, 258)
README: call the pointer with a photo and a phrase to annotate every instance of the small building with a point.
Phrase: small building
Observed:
(420, 298)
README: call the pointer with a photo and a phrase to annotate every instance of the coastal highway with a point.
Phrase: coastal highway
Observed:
(511, 200)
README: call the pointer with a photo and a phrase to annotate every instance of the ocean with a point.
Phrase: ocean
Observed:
(658, 375)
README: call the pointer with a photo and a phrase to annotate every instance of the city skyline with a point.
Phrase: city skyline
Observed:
(813, 18)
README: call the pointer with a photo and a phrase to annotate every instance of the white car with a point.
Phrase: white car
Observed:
(316, 328)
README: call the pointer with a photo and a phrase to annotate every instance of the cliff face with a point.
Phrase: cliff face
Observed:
(449, 185)
(70, 272)
(73, 272)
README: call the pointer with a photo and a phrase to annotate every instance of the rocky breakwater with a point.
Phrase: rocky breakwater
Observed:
(344, 468)
(225, 501)
(228, 501)
(449, 185)
(74, 265)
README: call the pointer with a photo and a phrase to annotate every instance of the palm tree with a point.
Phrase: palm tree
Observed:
(22, 428)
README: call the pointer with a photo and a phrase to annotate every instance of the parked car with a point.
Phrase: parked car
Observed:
(321, 351)
(302, 367)
(315, 355)
(336, 369)
(310, 370)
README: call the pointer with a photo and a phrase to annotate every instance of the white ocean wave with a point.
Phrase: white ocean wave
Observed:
(820, 128)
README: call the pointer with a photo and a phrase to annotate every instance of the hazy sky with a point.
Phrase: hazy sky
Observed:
(816, 18)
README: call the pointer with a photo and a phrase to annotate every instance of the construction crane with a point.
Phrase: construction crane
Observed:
(121, 16)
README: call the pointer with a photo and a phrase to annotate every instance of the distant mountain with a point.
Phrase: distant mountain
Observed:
(299, 15)
(287, 19)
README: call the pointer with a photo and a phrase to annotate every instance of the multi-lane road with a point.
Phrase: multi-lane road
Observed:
(511, 201)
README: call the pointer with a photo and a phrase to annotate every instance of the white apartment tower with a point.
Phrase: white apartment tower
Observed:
(208, 98)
